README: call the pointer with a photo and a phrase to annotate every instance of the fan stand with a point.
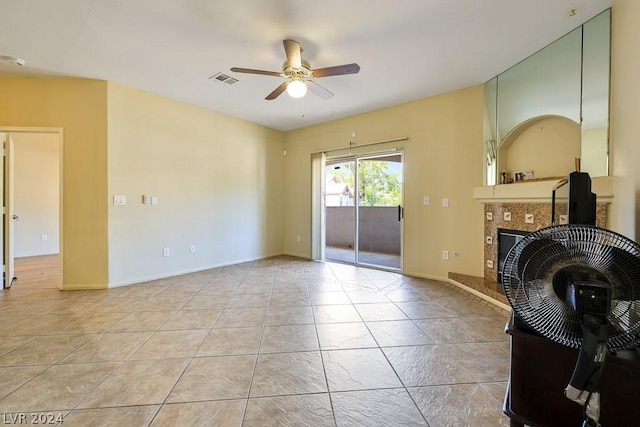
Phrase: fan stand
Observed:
(583, 384)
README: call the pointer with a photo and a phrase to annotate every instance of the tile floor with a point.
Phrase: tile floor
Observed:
(276, 342)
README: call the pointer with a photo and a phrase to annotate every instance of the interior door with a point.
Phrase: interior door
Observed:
(379, 211)
(9, 218)
(5, 284)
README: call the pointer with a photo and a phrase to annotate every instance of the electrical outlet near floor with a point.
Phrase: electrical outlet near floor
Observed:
(445, 254)
(166, 252)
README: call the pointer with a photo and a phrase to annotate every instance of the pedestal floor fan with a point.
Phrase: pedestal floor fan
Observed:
(579, 286)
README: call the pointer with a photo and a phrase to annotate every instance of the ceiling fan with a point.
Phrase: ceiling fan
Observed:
(299, 74)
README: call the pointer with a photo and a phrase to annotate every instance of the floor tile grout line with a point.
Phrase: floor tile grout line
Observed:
(324, 369)
(255, 363)
(186, 367)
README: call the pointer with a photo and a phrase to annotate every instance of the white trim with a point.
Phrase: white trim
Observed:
(145, 279)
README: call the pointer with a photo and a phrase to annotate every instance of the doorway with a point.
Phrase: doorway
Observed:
(363, 210)
(31, 232)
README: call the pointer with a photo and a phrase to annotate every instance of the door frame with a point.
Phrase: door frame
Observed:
(356, 158)
(8, 190)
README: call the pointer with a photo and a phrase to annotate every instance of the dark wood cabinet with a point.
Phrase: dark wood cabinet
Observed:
(540, 371)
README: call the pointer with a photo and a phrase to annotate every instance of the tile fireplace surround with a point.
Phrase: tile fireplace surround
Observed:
(524, 206)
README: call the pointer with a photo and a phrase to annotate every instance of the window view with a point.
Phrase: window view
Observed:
(363, 198)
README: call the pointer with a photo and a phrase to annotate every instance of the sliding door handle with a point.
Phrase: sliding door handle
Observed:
(400, 213)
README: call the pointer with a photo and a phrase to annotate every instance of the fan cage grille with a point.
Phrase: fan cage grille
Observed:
(530, 267)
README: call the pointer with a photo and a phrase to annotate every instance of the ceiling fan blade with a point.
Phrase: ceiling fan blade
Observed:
(276, 93)
(252, 71)
(319, 90)
(337, 70)
(294, 53)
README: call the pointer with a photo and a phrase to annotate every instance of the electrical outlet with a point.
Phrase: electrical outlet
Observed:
(489, 263)
(145, 199)
(445, 254)
(166, 252)
(192, 248)
(528, 218)
(445, 202)
(154, 201)
(507, 216)
(44, 237)
(119, 200)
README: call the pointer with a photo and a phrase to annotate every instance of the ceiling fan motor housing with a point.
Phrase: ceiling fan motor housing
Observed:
(303, 71)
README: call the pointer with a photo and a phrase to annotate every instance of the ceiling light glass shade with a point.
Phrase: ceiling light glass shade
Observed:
(297, 89)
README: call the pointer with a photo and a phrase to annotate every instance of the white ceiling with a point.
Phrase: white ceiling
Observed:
(407, 49)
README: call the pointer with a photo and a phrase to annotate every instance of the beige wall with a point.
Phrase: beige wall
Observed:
(625, 111)
(443, 158)
(546, 146)
(36, 193)
(79, 107)
(218, 181)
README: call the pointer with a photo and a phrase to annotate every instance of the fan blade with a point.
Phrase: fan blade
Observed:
(276, 93)
(294, 53)
(319, 90)
(337, 70)
(252, 71)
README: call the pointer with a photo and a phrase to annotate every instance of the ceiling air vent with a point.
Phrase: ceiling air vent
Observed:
(223, 78)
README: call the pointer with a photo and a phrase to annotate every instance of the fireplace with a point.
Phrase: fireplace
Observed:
(520, 208)
(507, 238)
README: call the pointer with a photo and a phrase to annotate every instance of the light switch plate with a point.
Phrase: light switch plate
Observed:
(445, 202)
(426, 200)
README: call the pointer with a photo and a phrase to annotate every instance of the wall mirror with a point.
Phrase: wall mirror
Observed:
(551, 108)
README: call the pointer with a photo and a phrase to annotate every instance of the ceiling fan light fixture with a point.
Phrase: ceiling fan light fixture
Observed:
(297, 89)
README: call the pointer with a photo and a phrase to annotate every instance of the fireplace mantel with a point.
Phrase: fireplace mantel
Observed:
(537, 191)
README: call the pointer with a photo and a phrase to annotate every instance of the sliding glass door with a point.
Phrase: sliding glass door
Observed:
(363, 210)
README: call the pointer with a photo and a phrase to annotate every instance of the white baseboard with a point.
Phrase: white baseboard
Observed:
(186, 271)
